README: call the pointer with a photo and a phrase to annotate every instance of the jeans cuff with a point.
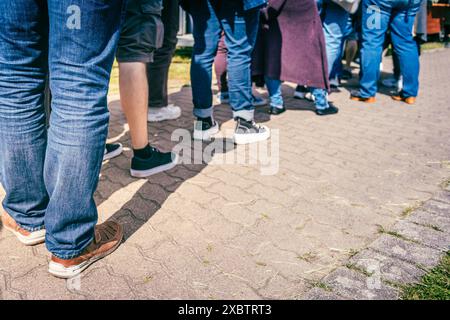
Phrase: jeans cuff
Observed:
(27, 228)
(33, 229)
(247, 115)
(73, 254)
(203, 113)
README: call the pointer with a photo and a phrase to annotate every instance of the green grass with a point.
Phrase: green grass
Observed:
(435, 285)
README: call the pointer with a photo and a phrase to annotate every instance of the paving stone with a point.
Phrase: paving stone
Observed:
(354, 285)
(423, 235)
(213, 231)
(431, 220)
(321, 294)
(437, 207)
(408, 251)
(442, 196)
(385, 267)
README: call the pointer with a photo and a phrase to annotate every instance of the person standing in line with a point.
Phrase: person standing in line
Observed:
(399, 17)
(239, 20)
(141, 35)
(159, 108)
(50, 175)
(278, 57)
(220, 69)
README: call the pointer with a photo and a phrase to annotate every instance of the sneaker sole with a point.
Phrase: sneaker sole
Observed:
(251, 137)
(113, 154)
(160, 119)
(206, 135)
(35, 238)
(153, 171)
(59, 271)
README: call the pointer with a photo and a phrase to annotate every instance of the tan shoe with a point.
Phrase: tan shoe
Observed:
(108, 237)
(26, 237)
(408, 100)
(356, 97)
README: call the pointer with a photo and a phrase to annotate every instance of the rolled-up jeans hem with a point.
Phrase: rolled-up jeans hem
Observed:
(73, 254)
(247, 115)
(203, 112)
(29, 229)
(34, 229)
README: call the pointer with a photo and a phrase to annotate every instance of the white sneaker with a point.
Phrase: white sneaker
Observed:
(249, 132)
(204, 130)
(170, 112)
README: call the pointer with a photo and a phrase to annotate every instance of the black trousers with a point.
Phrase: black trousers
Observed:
(158, 70)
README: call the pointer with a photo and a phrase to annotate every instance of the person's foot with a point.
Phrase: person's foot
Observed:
(302, 92)
(107, 238)
(171, 112)
(112, 150)
(276, 110)
(223, 98)
(356, 96)
(258, 101)
(155, 162)
(400, 97)
(205, 128)
(249, 132)
(26, 237)
(328, 111)
(447, 45)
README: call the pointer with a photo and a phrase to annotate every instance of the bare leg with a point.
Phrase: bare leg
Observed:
(134, 100)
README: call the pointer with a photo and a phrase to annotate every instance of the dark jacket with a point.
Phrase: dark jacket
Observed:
(291, 44)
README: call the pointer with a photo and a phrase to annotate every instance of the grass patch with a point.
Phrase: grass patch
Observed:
(322, 286)
(407, 211)
(382, 230)
(435, 285)
(354, 267)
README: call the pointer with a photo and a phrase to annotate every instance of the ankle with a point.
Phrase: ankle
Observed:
(143, 153)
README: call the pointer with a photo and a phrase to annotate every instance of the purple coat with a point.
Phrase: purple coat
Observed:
(291, 44)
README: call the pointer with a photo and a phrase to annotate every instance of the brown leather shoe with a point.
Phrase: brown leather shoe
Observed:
(26, 237)
(108, 237)
(408, 100)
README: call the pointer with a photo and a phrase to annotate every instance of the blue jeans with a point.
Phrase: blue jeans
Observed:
(335, 25)
(399, 16)
(274, 88)
(320, 98)
(240, 28)
(50, 175)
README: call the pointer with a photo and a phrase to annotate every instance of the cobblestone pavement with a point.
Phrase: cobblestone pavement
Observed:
(339, 208)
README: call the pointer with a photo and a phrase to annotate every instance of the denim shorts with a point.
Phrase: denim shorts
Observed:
(142, 32)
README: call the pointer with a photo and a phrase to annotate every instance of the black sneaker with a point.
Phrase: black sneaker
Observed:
(156, 163)
(276, 110)
(112, 150)
(328, 111)
(249, 132)
(300, 92)
(205, 128)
